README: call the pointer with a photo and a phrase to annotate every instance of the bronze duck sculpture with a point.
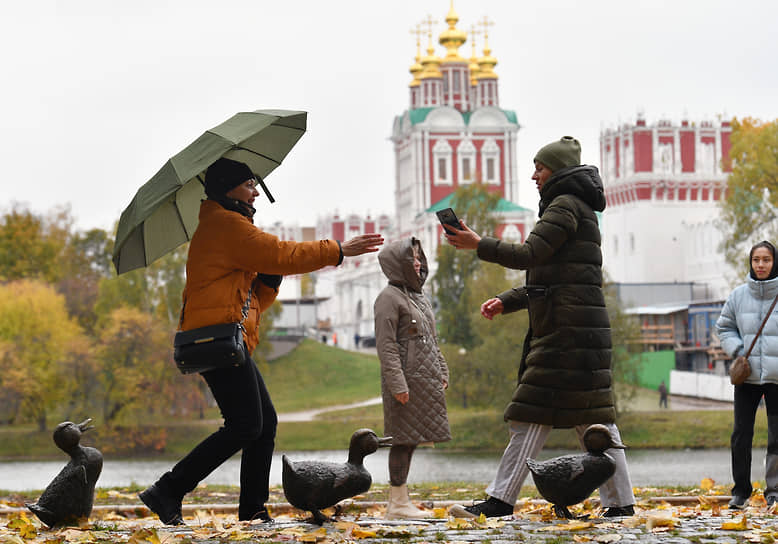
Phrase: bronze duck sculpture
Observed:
(315, 485)
(569, 479)
(70, 495)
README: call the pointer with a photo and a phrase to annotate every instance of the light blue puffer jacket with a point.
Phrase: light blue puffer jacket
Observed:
(741, 317)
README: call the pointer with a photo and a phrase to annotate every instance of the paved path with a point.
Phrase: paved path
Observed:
(695, 520)
(310, 415)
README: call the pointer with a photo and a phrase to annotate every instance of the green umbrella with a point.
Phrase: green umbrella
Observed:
(164, 212)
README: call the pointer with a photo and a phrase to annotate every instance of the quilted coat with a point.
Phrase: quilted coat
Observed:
(407, 346)
(225, 255)
(741, 317)
(565, 372)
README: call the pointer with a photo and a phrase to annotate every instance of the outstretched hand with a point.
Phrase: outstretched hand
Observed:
(462, 239)
(364, 243)
(492, 307)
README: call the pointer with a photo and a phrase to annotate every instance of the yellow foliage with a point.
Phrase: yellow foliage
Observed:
(569, 526)
(707, 484)
(740, 525)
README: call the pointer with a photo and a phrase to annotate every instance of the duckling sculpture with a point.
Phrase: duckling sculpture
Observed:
(569, 479)
(69, 496)
(315, 485)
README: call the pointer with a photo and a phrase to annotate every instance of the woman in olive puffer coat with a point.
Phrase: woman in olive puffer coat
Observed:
(565, 370)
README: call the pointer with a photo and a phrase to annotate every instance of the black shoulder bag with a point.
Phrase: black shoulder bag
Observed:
(211, 347)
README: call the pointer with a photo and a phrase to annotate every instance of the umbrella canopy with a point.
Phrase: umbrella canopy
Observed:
(164, 212)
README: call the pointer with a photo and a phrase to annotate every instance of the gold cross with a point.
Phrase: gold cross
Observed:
(473, 34)
(418, 32)
(486, 23)
(429, 21)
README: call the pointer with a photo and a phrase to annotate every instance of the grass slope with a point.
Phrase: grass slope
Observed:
(315, 375)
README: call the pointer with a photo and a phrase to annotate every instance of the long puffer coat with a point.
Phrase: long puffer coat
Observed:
(565, 372)
(741, 317)
(225, 255)
(407, 346)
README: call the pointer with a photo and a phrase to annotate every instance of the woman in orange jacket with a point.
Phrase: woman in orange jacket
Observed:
(228, 256)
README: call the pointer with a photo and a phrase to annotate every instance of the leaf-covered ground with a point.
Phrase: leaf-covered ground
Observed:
(678, 515)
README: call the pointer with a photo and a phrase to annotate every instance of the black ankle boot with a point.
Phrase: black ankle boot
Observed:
(167, 507)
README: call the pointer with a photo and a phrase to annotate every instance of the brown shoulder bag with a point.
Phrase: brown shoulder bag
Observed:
(741, 369)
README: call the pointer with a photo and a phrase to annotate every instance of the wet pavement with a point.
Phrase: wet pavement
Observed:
(666, 520)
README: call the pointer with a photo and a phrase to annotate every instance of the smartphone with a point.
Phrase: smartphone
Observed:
(448, 218)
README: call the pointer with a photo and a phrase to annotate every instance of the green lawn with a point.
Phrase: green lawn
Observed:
(315, 375)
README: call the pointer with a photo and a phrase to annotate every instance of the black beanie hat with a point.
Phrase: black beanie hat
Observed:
(223, 175)
(771, 248)
(563, 153)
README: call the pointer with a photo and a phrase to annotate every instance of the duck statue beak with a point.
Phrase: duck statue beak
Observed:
(385, 442)
(618, 446)
(85, 425)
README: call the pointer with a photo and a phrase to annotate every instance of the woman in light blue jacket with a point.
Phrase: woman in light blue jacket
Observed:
(739, 322)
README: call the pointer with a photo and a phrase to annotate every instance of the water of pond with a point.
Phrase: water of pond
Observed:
(648, 468)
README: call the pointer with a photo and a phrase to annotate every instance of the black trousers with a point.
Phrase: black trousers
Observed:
(250, 423)
(747, 398)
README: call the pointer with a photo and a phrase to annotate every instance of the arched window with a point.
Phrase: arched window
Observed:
(441, 154)
(466, 156)
(490, 162)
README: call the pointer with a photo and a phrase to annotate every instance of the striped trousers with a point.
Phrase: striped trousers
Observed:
(527, 439)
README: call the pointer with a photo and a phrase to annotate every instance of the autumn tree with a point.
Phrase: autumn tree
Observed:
(31, 245)
(457, 270)
(483, 356)
(37, 335)
(134, 363)
(625, 366)
(485, 375)
(749, 209)
(86, 261)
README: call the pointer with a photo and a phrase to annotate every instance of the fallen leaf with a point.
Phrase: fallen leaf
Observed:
(144, 536)
(440, 513)
(741, 525)
(608, 538)
(314, 536)
(363, 533)
(707, 484)
(659, 519)
(569, 526)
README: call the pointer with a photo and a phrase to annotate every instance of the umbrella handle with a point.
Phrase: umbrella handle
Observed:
(264, 188)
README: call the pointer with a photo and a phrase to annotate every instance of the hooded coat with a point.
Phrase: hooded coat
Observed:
(407, 346)
(225, 255)
(565, 372)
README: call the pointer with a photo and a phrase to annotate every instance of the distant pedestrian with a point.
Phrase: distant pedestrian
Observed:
(356, 340)
(737, 326)
(414, 374)
(662, 395)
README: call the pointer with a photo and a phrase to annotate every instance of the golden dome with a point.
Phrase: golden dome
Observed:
(452, 38)
(430, 63)
(486, 63)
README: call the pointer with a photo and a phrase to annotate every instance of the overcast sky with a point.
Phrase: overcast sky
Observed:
(97, 94)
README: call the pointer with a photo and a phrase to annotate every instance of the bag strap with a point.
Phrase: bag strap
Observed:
(764, 322)
(244, 311)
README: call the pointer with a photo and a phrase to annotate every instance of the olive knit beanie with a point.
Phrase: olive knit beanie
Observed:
(223, 175)
(563, 153)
